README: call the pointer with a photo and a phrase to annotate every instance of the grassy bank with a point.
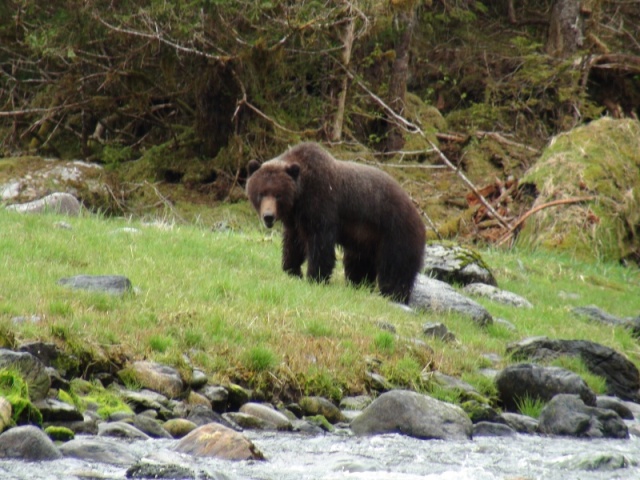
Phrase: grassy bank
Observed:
(221, 298)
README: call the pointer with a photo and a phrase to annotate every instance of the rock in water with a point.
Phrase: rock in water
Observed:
(413, 414)
(215, 440)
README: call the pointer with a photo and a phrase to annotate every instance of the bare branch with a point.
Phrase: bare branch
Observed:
(158, 37)
(29, 111)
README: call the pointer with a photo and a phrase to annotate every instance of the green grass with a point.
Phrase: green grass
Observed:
(222, 299)
(529, 406)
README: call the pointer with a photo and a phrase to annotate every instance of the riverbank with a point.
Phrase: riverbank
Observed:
(213, 311)
(219, 298)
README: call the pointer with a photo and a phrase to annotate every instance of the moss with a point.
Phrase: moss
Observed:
(479, 411)
(322, 422)
(59, 434)
(16, 391)
(24, 412)
(83, 393)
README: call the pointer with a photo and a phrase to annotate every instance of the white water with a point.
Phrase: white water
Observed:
(386, 457)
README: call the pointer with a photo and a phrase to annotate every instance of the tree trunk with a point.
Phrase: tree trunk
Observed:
(566, 25)
(347, 45)
(400, 71)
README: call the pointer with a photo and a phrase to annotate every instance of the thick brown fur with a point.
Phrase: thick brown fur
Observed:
(323, 202)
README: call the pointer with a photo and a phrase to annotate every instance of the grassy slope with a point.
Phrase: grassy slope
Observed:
(222, 298)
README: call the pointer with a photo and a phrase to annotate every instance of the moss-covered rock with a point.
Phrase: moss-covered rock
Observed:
(600, 163)
(84, 394)
(59, 434)
(15, 390)
(24, 179)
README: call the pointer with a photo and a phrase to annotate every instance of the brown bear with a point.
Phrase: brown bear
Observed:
(323, 202)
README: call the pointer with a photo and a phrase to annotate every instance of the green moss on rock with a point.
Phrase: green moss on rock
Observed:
(598, 162)
(59, 434)
(16, 391)
(83, 393)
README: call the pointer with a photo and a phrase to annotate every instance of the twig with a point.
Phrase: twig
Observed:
(161, 39)
(554, 203)
(29, 111)
(500, 139)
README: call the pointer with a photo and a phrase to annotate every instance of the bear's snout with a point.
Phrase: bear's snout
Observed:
(268, 219)
(268, 209)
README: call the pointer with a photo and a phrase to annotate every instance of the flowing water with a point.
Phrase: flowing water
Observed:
(385, 457)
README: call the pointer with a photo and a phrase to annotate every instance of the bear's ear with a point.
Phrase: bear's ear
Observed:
(293, 170)
(252, 167)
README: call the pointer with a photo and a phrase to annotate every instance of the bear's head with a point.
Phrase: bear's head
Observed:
(271, 188)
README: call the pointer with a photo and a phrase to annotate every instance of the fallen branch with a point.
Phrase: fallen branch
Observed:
(554, 203)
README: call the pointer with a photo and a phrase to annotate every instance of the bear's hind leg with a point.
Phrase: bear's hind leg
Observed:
(359, 268)
(397, 271)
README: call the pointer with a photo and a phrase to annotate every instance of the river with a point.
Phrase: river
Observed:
(386, 457)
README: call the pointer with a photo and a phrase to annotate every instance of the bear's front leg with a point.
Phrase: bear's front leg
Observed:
(322, 256)
(293, 253)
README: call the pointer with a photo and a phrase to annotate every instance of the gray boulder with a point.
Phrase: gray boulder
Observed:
(112, 284)
(568, 415)
(438, 330)
(121, 430)
(497, 295)
(28, 443)
(214, 440)
(621, 375)
(99, 450)
(435, 295)
(147, 400)
(56, 411)
(53, 356)
(616, 405)
(517, 382)
(597, 315)
(268, 414)
(491, 429)
(413, 414)
(201, 415)
(150, 426)
(217, 395)
(520, 423)
(247, 421)
(62, 203)
(160, 378)
(456, 264)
